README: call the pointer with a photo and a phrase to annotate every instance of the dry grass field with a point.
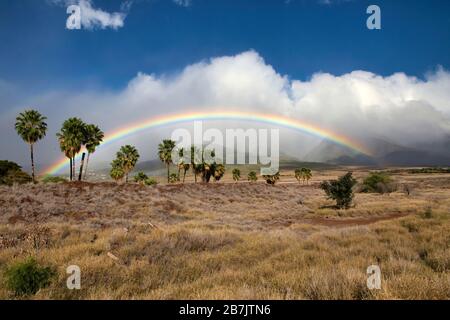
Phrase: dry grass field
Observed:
(231, 240)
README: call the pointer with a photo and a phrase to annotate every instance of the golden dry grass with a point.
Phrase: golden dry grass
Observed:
(231, 241)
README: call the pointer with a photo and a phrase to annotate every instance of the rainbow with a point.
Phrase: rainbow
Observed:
(171, 119)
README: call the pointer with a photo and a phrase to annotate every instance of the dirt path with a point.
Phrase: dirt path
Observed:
(334, 223)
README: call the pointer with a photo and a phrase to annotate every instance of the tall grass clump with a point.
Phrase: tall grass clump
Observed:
(27, 277)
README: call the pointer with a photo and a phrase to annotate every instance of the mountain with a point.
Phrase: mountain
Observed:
(415, 158)
(329, 152)
(384, 153)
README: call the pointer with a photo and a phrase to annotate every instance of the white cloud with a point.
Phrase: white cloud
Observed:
(92, 18)
(398, 108)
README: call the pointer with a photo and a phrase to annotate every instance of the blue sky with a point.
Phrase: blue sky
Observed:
(297, 37)
(313, 60)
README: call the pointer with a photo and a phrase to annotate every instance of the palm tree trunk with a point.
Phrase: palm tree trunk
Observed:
(73, 168)
(87, 162)
(126, 177)
(71, 175)
(168, 173)
(184, 175)
(81, 166)
(32, 162)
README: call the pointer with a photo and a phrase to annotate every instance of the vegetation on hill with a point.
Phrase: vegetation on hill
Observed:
(378, 182)
(53, 179)
(218, 241)
(75, 134)
(11, 173)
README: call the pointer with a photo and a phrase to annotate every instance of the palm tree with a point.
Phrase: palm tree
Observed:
(196, 167)
(236, 174)
(182, 165)
(306, 174)
(127, 157)
(94, 136)
(31, 127)
(298, 174)
(207, 169)
(117, 172)
(165, 154)
(252, 177)
(186, 167)
(71, 138)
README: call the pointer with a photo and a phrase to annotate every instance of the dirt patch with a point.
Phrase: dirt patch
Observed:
(342, 223)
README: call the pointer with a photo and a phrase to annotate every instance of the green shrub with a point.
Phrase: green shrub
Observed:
(150, 182)
(173, 178)
(52, 179)
(27, 277)
(378, 182)
(140, 177)
(340, 190)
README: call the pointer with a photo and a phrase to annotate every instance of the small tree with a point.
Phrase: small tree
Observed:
(298, 175)
(340, 190)
(31, 127)
(127, 157)
(236, 174)
(306, 174)
(165, 154)
(252, 177)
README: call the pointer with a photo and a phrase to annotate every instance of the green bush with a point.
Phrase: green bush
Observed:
(378, 182)
(27, 277)
(252, 177)
(52, 179)
(140, 177)
(340, 190)
(150, 182)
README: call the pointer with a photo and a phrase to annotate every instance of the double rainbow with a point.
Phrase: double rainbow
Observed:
(221, 115)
